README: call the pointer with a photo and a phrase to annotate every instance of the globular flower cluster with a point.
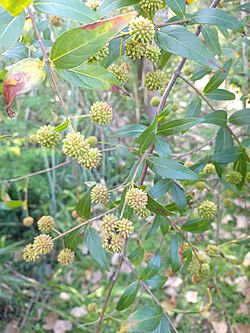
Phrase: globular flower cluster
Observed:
(91, 158)
(207, 210)
(74, 145)
(152, 53)
(99, 194)
(155, 101)
(103, 53)
(66, 257)
(200, 185)
(116, 231)
(142, 30)
(136, 198)
(93, 4)
(92, 141)
(135, 50)
(101, 113)
(155, 80)
(247, 178)
(121, 72)
(208, 170)
(30, 254)
(212, 250)
(55, 21)
(46, 137)
(199, 267)
(233, 177)
(142, 212)
(151, 5)
(28, 221)
(43, 244)
(46, 224)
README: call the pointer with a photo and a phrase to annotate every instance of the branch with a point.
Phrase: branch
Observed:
(50, 69)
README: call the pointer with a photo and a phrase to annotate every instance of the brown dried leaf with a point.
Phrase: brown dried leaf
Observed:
(12, 327)
(219, 327)
(62, 326)
(50, 321)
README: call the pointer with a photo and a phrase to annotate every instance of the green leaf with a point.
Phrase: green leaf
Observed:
(83, 207)
(148, 136)
(211, 39)
(136, 256)
(241, 117)
(160, 188)
(164, 225)
(94, 245)
(241, 167)
(171, 169)
(221, 95)
(223, 140)
(73, 239)
(129, 131)
(177, 6)
(200, 165)
(156, 208)
(245, 7)
(14, 203)
(200, 74)
(194, 108)
(89, 76)
(163, 326)
(179, 196)
(107, 6)
(176, 242)
(13, 7)
(145, 319)
(10, 26)
(177, 126)
(71, 9)
(196, 226)
(217, 118)
(61, 127)
(218, 17)
(77, 45)
(217, 79)
(152, 267)
(179, 40)
(128, 297)
(153, 228)
(228, 155)
(162, 147)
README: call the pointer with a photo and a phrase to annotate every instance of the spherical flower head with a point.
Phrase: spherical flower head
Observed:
(28, 221)
(55, 21)
(33, 139)
(92, 308)
(151, 5)
(125, 228)
(212, 250)
(142, 212)
(99, 194)
(142, 30)
(46, 137)
(228, 202)
(66, 257)
(153, 53)
(46, 224)
(103, 53)
(136, 198)
(233, 177)
(135, 50)
(155, 101)
(207, 210)
(93, 4)
(74, 145)
(120, 72)
(92, 141)
(188, 164)
(204, 271)
(208, 170)
(200, 185)
(30, 254)
(110, 223)
(196, 263)
(91, 158)
(43, 244)
(247, 178)
(155, 80)
(113, 243)
(101, 113)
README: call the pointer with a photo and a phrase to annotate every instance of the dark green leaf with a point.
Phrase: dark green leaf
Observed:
(171, 169)
(156, 208)
(153, 228)
(107, 6)
(177, 126)
(160, 188)
(129, 131)
(164, 225)
(179, 196)
(163, 327)
(73, 239)
(179, 40)
(217, 79)
(136, 256)
(145, 319)
(227, 155)
(148, 136)
(194, 108)
(221, 95)
(177, 6)
(199, 166)
(211, 39)
(128, 297)
(94, 245)
(176, 242)
(218, 17)
(83, 207)
(156, 282)
(71, 9)
(200, 74)
(162, 147)
(196, 226)
(223, 140)
(163, 59)
(245, 7)
(241, 117)
(152, 267)
(217, 118)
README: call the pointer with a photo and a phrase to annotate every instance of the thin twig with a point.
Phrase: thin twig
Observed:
(179, 22)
